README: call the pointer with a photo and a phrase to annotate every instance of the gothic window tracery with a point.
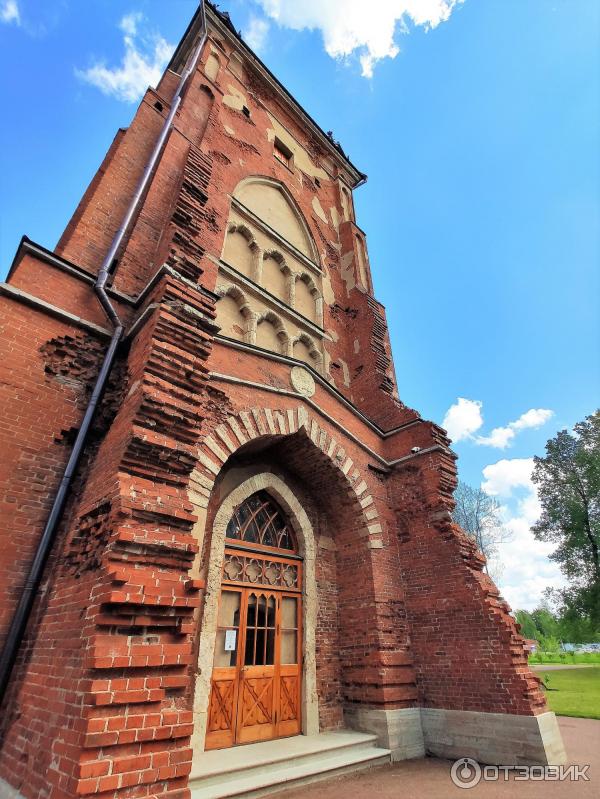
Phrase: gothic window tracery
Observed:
(258, 520)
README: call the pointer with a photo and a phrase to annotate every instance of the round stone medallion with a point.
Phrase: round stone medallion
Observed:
(302, 381)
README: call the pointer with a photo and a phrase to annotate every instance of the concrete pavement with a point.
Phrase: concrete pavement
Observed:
(429, 778)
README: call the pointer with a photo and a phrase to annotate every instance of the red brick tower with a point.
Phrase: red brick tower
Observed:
(255, 512)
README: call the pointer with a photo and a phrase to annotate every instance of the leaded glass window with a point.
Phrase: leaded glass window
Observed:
(259, 520)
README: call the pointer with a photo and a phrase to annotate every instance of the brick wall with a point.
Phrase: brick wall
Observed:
(468, 652)
(46, 370)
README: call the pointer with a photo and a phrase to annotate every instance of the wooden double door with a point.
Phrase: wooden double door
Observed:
(257, 671)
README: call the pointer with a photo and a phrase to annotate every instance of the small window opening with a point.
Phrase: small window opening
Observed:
(283, 153)
(159, 106)
(246, 111)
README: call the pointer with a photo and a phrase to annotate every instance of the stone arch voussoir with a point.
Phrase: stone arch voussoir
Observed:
(245, 231)
(245, 426)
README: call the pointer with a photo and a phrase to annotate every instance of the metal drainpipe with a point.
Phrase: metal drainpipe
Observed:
(32, 583)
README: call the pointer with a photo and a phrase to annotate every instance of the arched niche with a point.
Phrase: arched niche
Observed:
(233, 313)
(275, 275)
(271, 202)
(362, 262)
(271, 333)
(347, 204)
(212, 67)
(304, 349)
(306, 298)
(240, 249)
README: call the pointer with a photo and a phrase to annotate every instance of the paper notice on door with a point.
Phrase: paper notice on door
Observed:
(230, 636)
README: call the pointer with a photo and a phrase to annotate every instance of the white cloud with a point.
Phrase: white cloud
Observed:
(501, 437)
(146, 56)
(129, 23)
(256, 33)
(526, 568)
(535, 417)
(463, 419)
(503, 477)
(9, 12)
(348, 26)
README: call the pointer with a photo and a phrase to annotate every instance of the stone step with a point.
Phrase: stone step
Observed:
(258, 769)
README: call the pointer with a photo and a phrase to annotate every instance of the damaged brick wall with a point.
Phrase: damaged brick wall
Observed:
(468, 652)
(118, 610)
(46, 372)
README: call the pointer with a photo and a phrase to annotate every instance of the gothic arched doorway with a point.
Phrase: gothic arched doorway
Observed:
(257, 673)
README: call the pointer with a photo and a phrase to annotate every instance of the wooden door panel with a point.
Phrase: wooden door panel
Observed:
(256, 702)
(256, 708)
(257, 676)
(289, 713)
(222, 709)
(220, 716)
(288, 698)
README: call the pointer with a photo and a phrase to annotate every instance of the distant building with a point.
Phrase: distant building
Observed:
(590, 647)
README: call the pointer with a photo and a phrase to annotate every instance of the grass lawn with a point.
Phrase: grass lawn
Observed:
(573, 692)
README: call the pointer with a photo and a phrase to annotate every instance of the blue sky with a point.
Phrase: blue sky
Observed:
(478, 125)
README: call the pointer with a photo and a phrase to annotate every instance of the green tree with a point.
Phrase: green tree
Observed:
(546, 622)
(577, 629)
(545, 626)
(568, 483)
(528, 626)
(549, 643)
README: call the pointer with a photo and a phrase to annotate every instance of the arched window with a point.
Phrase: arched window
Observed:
(261, 522)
